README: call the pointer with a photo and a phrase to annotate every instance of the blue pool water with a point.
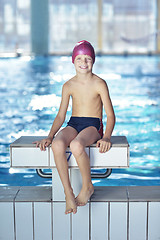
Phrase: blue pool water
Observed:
(30, 91)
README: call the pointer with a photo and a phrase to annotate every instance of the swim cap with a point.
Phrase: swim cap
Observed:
(83, 48)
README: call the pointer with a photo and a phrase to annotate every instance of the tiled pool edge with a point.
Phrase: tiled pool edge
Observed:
(132, 212)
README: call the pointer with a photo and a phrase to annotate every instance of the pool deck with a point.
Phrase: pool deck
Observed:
(113, 211)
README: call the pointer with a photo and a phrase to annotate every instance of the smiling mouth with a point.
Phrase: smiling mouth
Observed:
(83, 67)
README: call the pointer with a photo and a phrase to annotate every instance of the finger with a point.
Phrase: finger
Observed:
(43, 146)
(108, 146)
(47, 144)
(40, 146)
(36, 142)
(98, 144)
(105, 147)
(101, 149)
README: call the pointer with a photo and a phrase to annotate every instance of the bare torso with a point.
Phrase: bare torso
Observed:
(86, 101)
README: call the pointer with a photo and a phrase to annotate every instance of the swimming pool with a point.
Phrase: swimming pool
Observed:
(30, 91)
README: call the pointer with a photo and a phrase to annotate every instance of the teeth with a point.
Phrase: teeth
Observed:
(83, 67)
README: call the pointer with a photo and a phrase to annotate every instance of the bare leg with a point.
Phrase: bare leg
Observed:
(85, 138)
(59, 145)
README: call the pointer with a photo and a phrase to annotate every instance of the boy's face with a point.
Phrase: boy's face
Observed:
(83, 63)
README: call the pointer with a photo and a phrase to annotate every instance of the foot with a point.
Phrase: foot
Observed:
(84, 195)
(71, 205)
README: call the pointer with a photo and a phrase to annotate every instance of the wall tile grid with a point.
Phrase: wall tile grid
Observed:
(113, 213)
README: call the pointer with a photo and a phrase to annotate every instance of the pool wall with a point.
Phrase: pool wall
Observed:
(113, 213)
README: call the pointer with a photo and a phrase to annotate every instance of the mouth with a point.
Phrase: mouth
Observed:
(83, 67)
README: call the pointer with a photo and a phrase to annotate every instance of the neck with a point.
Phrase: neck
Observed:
(84, 77)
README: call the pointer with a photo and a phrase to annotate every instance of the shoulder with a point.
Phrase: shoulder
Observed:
(100, 84)
(67, 86)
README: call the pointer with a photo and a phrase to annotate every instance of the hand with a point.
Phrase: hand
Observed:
(43, 143)
(104, 145)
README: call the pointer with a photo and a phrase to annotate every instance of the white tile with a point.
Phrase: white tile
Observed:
(137, 220)
(118, 221)
(70, 158)
(29, 157)
(115, 157)
(6, 221)
(99, 220)
(80, 223)
(57, 187)
(154, 221)
(24, 220)
(42, 221)
(76, 180)
(61, 222)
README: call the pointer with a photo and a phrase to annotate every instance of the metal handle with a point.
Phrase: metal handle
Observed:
(43, 174)
(106, 174)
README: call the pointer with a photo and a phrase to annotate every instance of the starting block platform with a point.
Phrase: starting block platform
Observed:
(24, 154)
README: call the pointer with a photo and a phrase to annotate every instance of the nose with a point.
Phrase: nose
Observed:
(84, 60)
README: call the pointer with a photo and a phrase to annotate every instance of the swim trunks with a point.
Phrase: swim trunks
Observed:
(80, 123)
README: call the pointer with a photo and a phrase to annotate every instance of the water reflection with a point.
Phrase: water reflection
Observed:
(30, 94)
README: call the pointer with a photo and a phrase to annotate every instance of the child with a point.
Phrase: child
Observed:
(89, 94)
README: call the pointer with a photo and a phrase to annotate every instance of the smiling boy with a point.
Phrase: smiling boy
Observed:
(89, 95)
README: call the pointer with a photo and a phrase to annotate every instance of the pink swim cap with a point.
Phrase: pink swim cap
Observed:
(83, 48)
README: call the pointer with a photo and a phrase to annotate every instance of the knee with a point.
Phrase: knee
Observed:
(58, 146)
(76, 148)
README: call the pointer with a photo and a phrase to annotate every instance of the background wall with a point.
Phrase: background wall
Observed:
(54, 26)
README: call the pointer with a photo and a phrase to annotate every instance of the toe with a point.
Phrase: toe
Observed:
(81, 204)
(75, 211)
(68, 211)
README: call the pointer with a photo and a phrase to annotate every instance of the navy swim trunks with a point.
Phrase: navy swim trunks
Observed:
(80, 123)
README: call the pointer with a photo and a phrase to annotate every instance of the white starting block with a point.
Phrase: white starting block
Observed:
(24, 154)
(113, 212)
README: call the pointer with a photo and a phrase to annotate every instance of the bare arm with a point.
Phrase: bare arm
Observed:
(105, 143)
(59, 120)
